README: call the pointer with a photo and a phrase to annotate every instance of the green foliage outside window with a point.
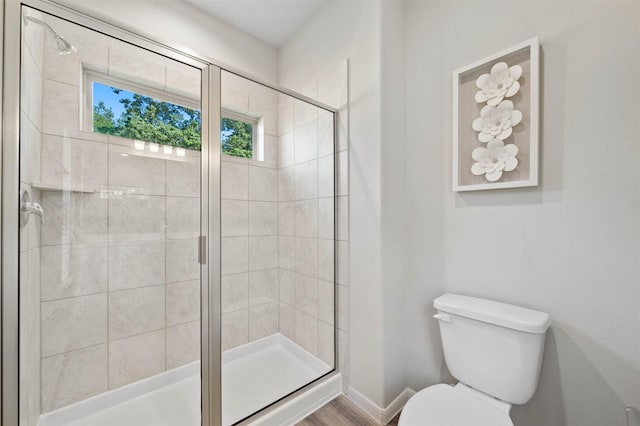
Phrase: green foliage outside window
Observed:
(147, 119)
(236, 138)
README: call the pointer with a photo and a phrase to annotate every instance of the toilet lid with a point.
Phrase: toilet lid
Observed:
(442, 405)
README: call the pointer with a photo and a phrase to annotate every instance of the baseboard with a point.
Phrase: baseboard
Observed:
(380, 415)
(397, 404)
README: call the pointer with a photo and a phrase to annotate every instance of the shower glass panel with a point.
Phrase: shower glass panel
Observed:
(277, 190)
(110, 161)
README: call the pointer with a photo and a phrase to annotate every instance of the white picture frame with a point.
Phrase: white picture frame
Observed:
(525, 135)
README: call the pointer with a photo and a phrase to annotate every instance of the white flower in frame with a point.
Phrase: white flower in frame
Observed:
(500, 83)
(495, 159)
(496, 121)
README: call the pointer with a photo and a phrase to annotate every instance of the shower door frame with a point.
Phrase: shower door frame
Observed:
(209, 242)
(208, 249)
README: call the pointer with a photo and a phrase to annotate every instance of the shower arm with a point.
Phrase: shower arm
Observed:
(28, 18)
(64, 47)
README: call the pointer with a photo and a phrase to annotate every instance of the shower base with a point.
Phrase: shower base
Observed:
(253, 376)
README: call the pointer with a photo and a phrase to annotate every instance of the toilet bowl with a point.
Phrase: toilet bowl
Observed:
(495, 351)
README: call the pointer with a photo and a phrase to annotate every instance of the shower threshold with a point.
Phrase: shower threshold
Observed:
(254, 375)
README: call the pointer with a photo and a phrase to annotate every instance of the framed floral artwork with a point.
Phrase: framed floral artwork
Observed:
(495, 120)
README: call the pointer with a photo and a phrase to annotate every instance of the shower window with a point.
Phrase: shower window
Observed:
(238, 134)
(131, 111)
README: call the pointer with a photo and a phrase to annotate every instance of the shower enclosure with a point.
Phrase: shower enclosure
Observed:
(168, 232)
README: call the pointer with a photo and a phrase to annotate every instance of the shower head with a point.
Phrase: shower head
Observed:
(64, 47)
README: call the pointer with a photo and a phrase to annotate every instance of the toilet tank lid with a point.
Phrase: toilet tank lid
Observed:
(492, 312)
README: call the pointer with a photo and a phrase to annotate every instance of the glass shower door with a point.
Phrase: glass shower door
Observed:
(110, 225)
(278, 240)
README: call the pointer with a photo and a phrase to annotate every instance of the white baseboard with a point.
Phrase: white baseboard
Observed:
(380, 415)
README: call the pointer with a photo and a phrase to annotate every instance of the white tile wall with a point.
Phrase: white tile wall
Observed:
(287, 286)
(74, 218)
(73, 270)
(183, 217)
(136, 264)
(183, 302)
(235, 328)
(137, 218)
(306, 256)
(73, 376)
(60, 108)
(125, 61)
(234, 218)
(263, 320)
(235, 181)
(306, 142)
(307, 261)
(286, 144)
(136, 311)
(235, 292)
(183, 178)
(286, 184)
(286, 218)
(263, 253)
(183, 344)
(182, 260)
(326, 218)
(73, 162)
(144, 174)
(306, 180)
(120, 289)
(263, 287)
(250, 220)
(263, 218)
(73, 323)
(306, 291)
(306, 331)
(263, 184)
(135, 358)
(235, 255)
(306, 218)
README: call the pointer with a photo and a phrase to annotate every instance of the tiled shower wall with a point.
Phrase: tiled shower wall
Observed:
(250, 222)
(30, 146)
(306, 215)
(120, 278)
(119, 286)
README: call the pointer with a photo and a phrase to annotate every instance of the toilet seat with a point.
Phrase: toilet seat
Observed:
(444, 405)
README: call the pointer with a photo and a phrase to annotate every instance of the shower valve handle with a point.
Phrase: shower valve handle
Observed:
(33, 208)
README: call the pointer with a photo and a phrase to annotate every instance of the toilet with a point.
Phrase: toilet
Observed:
(494, 350)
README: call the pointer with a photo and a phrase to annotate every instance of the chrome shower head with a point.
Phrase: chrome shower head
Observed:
(64, 47)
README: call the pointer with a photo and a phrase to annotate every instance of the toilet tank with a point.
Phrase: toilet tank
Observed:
(491, 346)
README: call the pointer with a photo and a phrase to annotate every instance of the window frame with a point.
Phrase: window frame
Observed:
(91, 76)
(248, 119)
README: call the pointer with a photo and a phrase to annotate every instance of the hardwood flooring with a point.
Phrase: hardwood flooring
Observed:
(341, 412)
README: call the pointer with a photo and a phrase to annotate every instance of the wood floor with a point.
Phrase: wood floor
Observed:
(341, 412)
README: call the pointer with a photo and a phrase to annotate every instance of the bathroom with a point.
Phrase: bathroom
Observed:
(342, 277)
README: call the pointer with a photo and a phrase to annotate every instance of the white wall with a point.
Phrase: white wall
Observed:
(182, 25)
(569, 247)
(354, 30)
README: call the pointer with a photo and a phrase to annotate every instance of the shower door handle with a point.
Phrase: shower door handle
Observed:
(202, 250)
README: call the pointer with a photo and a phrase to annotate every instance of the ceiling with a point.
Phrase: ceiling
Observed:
(273, 21)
